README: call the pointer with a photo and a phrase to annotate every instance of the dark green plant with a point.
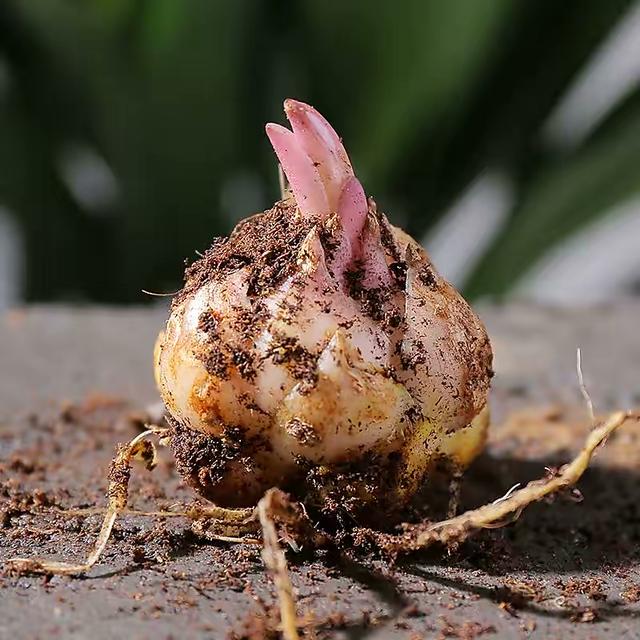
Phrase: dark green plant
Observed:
(174, 95)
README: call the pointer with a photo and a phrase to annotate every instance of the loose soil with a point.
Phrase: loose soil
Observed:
(564, 570)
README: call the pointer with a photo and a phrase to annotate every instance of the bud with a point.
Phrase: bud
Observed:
(317, 349)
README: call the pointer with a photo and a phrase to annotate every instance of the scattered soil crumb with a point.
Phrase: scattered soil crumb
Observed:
(518, 593)
(631, 594)
(579, 554)
(467, 630)
(528, 626)
(588, 614)
(258, 625)
(594, 588)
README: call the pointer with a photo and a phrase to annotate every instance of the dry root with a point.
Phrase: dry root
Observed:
(449, 532)
(140, 448)
(274, 559)
(506, 509)
(217, 523)
(210, 522)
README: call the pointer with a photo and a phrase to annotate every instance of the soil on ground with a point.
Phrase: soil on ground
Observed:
(569, 569)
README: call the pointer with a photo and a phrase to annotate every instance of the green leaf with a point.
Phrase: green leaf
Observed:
(562, 198)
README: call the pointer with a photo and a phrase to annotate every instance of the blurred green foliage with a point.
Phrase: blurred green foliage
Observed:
(174, 94)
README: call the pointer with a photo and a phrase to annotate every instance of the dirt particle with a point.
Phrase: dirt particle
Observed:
(467, 630)
(631, 594)
(301, 363)
(266, 244)
(586, 615)
(427, 276)
(594, 588)
(303, 432)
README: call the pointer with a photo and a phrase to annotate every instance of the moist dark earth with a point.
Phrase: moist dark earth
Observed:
(74, 383)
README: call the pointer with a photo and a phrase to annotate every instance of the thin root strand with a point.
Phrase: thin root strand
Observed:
(275, 561)
(508, 509)
(139, 448)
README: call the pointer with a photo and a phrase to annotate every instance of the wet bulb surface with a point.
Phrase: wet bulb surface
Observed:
(74, 383)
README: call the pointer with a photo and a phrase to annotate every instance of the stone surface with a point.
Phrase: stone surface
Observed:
(74, 382)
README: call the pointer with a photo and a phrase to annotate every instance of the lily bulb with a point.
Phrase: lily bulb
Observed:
(318, 344)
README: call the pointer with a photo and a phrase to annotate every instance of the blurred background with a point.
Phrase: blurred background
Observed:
(505, 134)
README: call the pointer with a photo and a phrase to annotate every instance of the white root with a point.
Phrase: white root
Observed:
(583, 387)
(508, 494)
